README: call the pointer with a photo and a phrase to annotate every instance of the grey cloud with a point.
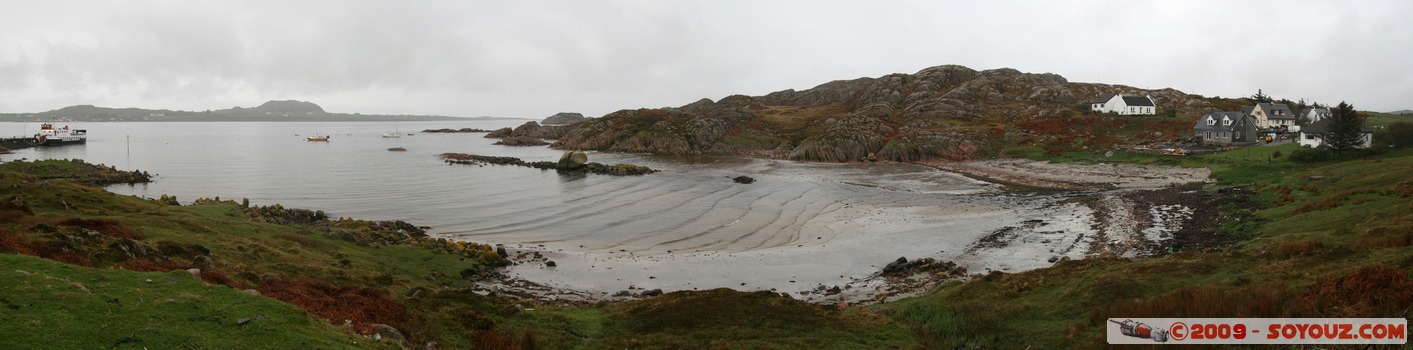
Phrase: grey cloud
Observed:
(534, 58)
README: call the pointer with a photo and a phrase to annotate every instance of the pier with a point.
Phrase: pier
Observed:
(18, 142)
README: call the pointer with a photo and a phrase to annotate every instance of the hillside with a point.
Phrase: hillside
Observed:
(949, 112)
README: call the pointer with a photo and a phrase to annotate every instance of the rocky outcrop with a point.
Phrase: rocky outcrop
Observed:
(571, 163)
(452, 131)
(521, 141)
(943, 112)
(564, 118)
(693, 129)
(530, 130)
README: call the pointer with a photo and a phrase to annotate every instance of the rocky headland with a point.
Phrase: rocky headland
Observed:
(564, 118)
(940, 113)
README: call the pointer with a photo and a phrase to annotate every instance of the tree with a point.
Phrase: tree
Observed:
(1345, 129)
(1396, 135)
(1261, 97)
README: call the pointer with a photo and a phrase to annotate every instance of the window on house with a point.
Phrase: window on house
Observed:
(1226, 121)
(1309, 137)
(1211, 121)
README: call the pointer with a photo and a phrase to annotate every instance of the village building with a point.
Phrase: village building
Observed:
(1271, 115)
(1310, 135)
(1124, 105)
(1313, 115)
(1225, 128)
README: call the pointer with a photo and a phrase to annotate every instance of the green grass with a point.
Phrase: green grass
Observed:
(60, 306)
(1273, 273)
(726, 319)
(1381, 119)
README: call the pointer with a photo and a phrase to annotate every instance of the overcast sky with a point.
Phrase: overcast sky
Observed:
(535, 58)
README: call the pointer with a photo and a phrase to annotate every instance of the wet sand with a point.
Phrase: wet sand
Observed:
(1048, 175)
(803, 233)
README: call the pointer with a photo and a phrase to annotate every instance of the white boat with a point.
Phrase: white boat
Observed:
(394, 133)
(317, 138)
(51, 136)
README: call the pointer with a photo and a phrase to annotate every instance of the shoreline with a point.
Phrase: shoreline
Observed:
(1076, 212)
(1072, 177)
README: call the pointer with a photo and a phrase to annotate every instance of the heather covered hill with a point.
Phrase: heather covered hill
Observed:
(950, 112)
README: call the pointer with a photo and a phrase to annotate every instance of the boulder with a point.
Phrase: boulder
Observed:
(388, 332)
(651, 293)
(743, 179)
(572, 160)
(896, 265)
(204, 261)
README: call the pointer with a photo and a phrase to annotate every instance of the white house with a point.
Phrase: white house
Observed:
(1310, 135)
(1124, 105)
(1312, 115)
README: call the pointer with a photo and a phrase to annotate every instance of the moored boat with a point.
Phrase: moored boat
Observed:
(316, 138)
(53, 136)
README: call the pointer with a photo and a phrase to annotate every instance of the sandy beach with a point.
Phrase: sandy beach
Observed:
(834, 251)
(1048, 175)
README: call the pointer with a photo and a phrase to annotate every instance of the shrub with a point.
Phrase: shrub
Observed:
(1299, 247)
(147, 265)
(363, 306)
(1310, 155)
(1372, 291)
(1396, 135)
(110, 228)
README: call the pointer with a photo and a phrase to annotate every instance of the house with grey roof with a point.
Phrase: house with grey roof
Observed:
(1225, 128)
(1271, 115)
(1313, 135)
(1313, 115)
(1124, 104)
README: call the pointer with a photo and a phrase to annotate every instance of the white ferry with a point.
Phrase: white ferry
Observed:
(51, 136)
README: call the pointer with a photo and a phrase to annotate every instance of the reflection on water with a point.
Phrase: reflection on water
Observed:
(692, 206)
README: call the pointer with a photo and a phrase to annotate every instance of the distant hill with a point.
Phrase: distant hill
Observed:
(1403, 112)
(91, 112)
(282, 108)
(289, 106)
(274, 110)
